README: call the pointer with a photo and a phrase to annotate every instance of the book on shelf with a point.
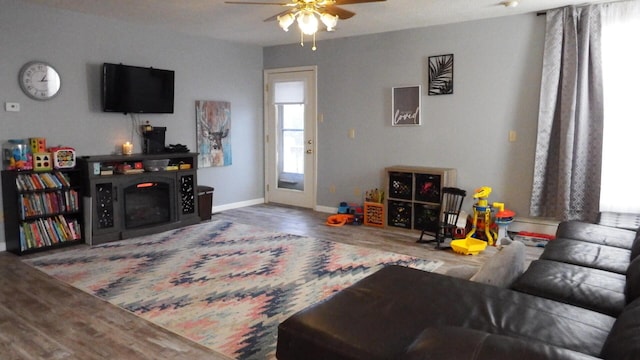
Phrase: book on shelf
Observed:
(48, 231)
(42, 181)
(39, 204)
(37, 238)
(42, 231)
(64, 179)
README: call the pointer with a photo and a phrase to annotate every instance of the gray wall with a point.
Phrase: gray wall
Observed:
(78, 44)
(497, 75)
(496, 88)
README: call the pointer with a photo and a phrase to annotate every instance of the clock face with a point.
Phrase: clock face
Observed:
(39, 80)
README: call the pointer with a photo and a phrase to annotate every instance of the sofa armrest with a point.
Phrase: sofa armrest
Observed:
(445, 343)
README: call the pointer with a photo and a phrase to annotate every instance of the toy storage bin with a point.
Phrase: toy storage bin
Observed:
(16, 155)
(425, 217)
(400, 214)
(400, 185)
(428, 188)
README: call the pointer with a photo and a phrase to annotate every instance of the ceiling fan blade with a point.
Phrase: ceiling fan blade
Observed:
(257, 3)
(340, 12)
(275, 17)
(347, 2)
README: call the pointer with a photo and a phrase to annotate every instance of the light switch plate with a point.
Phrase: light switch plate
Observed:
(12, 106)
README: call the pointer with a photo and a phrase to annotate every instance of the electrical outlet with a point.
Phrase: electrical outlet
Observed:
(332, 189)
(513, 136)
(357, 191)
(12, 106)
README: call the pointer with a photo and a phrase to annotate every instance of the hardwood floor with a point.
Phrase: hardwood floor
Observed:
(42, 318)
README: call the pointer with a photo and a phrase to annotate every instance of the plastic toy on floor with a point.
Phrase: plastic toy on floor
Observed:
(483, 228)
(504, 217)
(347, 214)
(339, 219)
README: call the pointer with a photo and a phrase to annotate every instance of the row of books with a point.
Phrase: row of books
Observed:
(42, 181)
(47, 232)
(38, 204)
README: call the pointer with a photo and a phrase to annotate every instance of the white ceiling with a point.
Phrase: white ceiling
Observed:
(244, 23)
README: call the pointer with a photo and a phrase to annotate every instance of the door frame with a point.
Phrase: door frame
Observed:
(313, 104)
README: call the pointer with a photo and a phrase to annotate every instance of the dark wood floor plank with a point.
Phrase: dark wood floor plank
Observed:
(42, 318)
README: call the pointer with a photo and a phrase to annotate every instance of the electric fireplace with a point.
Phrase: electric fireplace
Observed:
(148, 203)
(121, 206)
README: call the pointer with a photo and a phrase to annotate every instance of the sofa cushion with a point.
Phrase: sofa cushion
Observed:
(632, 290)
(441, 344)
(623, 342)
(381, 315)
(599, 234)
(630, 221)
(635, 248)
(504, 267)
(608, 258)
(597, 290)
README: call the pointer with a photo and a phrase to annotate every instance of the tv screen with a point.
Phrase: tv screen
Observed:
(133, 89)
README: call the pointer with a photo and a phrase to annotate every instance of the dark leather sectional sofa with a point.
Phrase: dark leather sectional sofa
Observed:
(580, 300)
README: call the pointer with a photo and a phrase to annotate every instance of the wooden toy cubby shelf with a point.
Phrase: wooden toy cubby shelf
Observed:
(414, 193)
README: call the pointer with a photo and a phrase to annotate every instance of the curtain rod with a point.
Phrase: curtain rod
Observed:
(541, 13)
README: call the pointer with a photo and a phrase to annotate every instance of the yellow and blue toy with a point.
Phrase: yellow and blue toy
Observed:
(483, 226)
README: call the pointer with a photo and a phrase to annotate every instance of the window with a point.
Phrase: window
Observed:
(621, 79)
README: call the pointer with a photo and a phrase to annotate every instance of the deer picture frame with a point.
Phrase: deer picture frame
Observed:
(213, 125)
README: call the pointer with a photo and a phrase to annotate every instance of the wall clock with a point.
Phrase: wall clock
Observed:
(39, 80)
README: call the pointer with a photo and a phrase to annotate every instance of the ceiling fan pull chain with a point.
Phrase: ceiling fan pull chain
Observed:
(301, 38)
(314, 42)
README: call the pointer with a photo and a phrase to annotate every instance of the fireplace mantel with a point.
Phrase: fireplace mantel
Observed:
(107, 184)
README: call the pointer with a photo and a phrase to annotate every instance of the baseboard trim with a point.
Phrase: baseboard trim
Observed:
(237, 205)
(535, 225)
(326, 209)
(241, 204)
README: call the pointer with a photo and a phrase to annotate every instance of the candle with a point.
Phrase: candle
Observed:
(127, 148)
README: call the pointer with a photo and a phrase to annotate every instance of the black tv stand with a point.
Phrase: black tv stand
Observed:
(108, 217)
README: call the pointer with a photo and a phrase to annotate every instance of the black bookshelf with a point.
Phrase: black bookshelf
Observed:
(42, 210)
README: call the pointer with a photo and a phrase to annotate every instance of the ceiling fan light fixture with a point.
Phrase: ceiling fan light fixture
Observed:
(330, 21)
(285, 21)
(308, 22)
(309, 13)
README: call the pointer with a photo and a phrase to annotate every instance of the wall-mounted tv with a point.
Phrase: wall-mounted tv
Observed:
(133, 89)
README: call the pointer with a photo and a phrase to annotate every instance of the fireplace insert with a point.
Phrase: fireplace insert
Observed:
(149, 202)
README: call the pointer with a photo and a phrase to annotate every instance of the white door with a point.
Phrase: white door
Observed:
(290, 136)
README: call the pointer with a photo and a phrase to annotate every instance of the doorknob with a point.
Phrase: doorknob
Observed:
(309, 142)
(309, 151)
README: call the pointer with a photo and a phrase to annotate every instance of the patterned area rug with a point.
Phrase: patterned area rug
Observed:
(226, 286)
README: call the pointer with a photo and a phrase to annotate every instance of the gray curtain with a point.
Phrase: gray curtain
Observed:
(566, 182)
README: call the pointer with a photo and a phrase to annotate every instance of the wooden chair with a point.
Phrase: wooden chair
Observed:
(450, 207)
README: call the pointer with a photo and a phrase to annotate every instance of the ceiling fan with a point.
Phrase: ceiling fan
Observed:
(309, 14)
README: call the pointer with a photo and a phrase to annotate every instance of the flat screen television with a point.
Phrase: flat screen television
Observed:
(133, 89)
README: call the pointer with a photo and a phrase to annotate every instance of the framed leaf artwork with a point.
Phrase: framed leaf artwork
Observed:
(441, 74)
